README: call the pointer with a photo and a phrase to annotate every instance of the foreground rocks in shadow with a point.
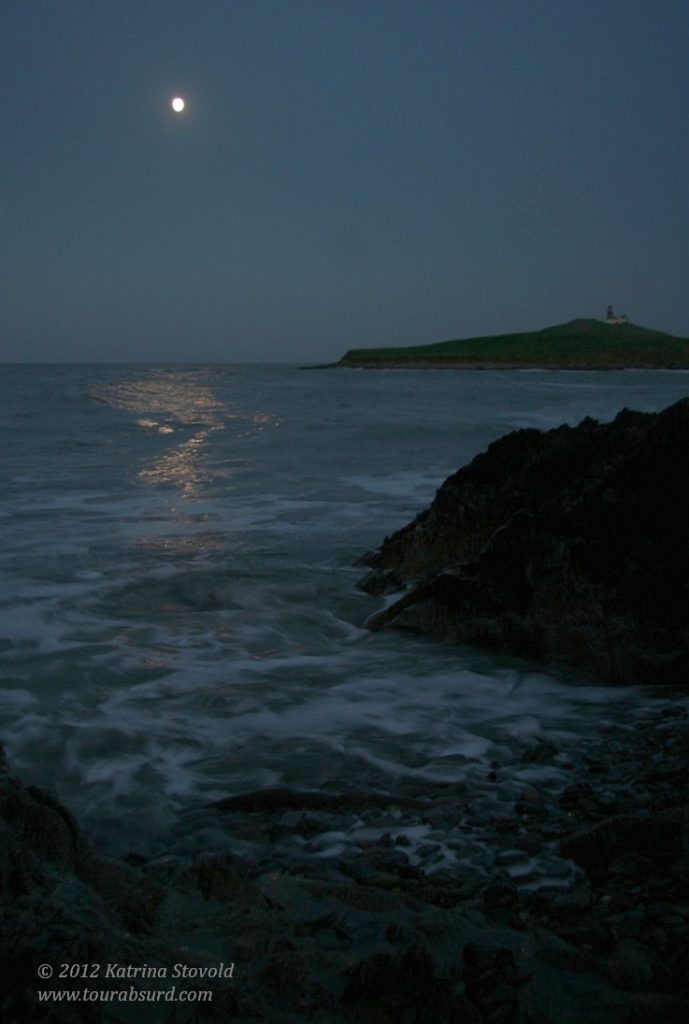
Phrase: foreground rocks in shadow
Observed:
(375, 939)
(568, 547)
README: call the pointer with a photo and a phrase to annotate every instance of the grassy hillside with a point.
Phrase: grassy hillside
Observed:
(579, 344)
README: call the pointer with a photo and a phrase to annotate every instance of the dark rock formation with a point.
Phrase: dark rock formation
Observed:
(282, 799)
(376, 938)
(569, 546)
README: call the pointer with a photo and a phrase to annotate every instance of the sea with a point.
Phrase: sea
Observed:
(180, 619)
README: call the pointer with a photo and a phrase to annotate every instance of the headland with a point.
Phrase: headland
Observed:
(580, 344)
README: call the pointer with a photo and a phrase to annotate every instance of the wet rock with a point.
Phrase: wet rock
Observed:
(219, 877)
(441, 894)
(629, 966)
(336, 939)
(280, 799)
(62, 903)
(492, 981)
(41, 824)
(595, 847)
(531, 549)
(404, 988)
(133, 897)
(531, 795)
(501, 902)
(529, 844)
(567, 956)
(532, 809)
(18, 873)
(540, 753)
(580, 798)
(381, 581)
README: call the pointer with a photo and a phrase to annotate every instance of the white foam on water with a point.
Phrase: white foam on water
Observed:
(17, 700)
(180, 621)
(400, 484)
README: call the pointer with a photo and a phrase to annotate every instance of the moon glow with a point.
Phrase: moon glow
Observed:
(178, 104)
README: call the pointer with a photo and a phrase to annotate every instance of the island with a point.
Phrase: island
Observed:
(581, 344)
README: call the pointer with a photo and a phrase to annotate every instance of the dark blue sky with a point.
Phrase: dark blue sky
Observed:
(346, 173)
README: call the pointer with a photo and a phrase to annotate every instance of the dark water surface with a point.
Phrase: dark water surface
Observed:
(179, 614)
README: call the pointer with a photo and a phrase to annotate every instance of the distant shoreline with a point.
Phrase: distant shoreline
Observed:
(457, 364)
(443, 364)
(577, 345)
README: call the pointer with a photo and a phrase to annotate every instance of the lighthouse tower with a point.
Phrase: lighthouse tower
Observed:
(612, 318)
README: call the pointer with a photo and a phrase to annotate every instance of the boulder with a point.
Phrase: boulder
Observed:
(405, 988)
(565, 547)
(657, 838)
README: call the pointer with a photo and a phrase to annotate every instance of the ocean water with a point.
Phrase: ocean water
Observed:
(179, 614)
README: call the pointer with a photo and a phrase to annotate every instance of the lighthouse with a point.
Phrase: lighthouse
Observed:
(612, 318)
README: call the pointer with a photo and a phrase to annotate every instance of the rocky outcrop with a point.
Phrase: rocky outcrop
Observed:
(566, 547)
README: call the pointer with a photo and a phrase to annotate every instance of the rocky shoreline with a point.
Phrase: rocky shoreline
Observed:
(568, 547)
(387, 932)
(549, 886)
(468, 364)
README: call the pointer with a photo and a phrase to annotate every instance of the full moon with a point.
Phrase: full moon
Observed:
(178, 104)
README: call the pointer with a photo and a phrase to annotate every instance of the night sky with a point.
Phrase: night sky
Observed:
(346, 173)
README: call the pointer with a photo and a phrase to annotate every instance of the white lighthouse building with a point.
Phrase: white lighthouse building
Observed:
(612, 318)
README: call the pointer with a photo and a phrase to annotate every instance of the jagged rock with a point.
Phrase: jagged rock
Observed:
(381, 581)
(406, 988)
(658, 838)
(62, 903)
(216, 876)
(44, 828)
(569, 546)
(279, 799)
(492, 981)
(629, 967)
(135, 899)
